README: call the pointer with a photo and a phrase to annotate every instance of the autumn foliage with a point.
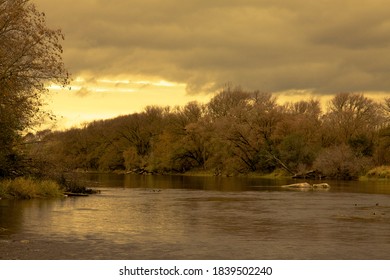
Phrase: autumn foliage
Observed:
(30, 56)
(237, 132)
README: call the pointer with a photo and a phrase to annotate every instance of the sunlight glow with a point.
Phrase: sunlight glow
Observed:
(79, 79)
(165, 84)
(54, 87)
(75, 87)
(107, 81)
(90, 98)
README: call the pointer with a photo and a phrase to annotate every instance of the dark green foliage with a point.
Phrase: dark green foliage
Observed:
(295, 151)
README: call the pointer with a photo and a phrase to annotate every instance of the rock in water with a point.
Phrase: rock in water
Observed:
(321, 186)
(298, 186)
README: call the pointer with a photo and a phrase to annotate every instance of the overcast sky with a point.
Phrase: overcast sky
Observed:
(126, 54)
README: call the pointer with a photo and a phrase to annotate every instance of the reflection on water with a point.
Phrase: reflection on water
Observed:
(175, 217)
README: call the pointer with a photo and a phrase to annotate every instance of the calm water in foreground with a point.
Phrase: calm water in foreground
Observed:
(175, 217)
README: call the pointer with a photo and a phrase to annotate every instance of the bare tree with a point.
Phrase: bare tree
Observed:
(351, 115)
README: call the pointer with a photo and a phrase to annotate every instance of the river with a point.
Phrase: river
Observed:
(187, 217)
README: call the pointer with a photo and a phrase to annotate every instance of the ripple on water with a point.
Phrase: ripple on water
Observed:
(178, 220)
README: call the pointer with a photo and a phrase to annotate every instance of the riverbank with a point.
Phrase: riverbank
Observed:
(376, 173)
(276, 174)
(28, 188)
(380, 172)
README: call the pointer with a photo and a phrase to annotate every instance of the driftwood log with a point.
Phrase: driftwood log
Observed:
(312, 174)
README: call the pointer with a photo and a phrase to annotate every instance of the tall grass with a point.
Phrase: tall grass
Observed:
(381, 172)
(27, 188)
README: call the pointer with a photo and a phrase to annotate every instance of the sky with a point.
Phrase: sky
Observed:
(126, 54)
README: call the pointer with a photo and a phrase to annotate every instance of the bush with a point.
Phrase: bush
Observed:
(27, 188)
(73, 185)
(339, 162)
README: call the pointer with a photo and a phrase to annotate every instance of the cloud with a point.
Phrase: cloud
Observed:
(83, 92)
(324, 46)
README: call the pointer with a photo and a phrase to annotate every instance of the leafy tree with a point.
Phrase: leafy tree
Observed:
(300, 134)
(195, 145)
(250, 128)
(140, 129)
(30, 56)
(182, 145)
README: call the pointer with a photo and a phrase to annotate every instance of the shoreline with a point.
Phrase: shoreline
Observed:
(28, 188)
(277, 174)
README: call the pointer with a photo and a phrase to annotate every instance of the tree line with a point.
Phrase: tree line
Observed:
(236, 132)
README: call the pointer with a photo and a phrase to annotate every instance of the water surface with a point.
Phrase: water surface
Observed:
(181, 217)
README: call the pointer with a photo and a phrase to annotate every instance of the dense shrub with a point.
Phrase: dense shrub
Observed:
(339, 162)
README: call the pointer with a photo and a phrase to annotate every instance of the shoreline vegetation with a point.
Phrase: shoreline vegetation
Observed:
(237, 133)
(376, 173)
(380, 172)
(30, 188)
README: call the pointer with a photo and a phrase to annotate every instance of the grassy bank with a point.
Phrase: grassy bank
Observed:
(27, 188)
(380, 172)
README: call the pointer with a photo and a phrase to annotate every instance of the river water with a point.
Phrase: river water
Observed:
(183, 217)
